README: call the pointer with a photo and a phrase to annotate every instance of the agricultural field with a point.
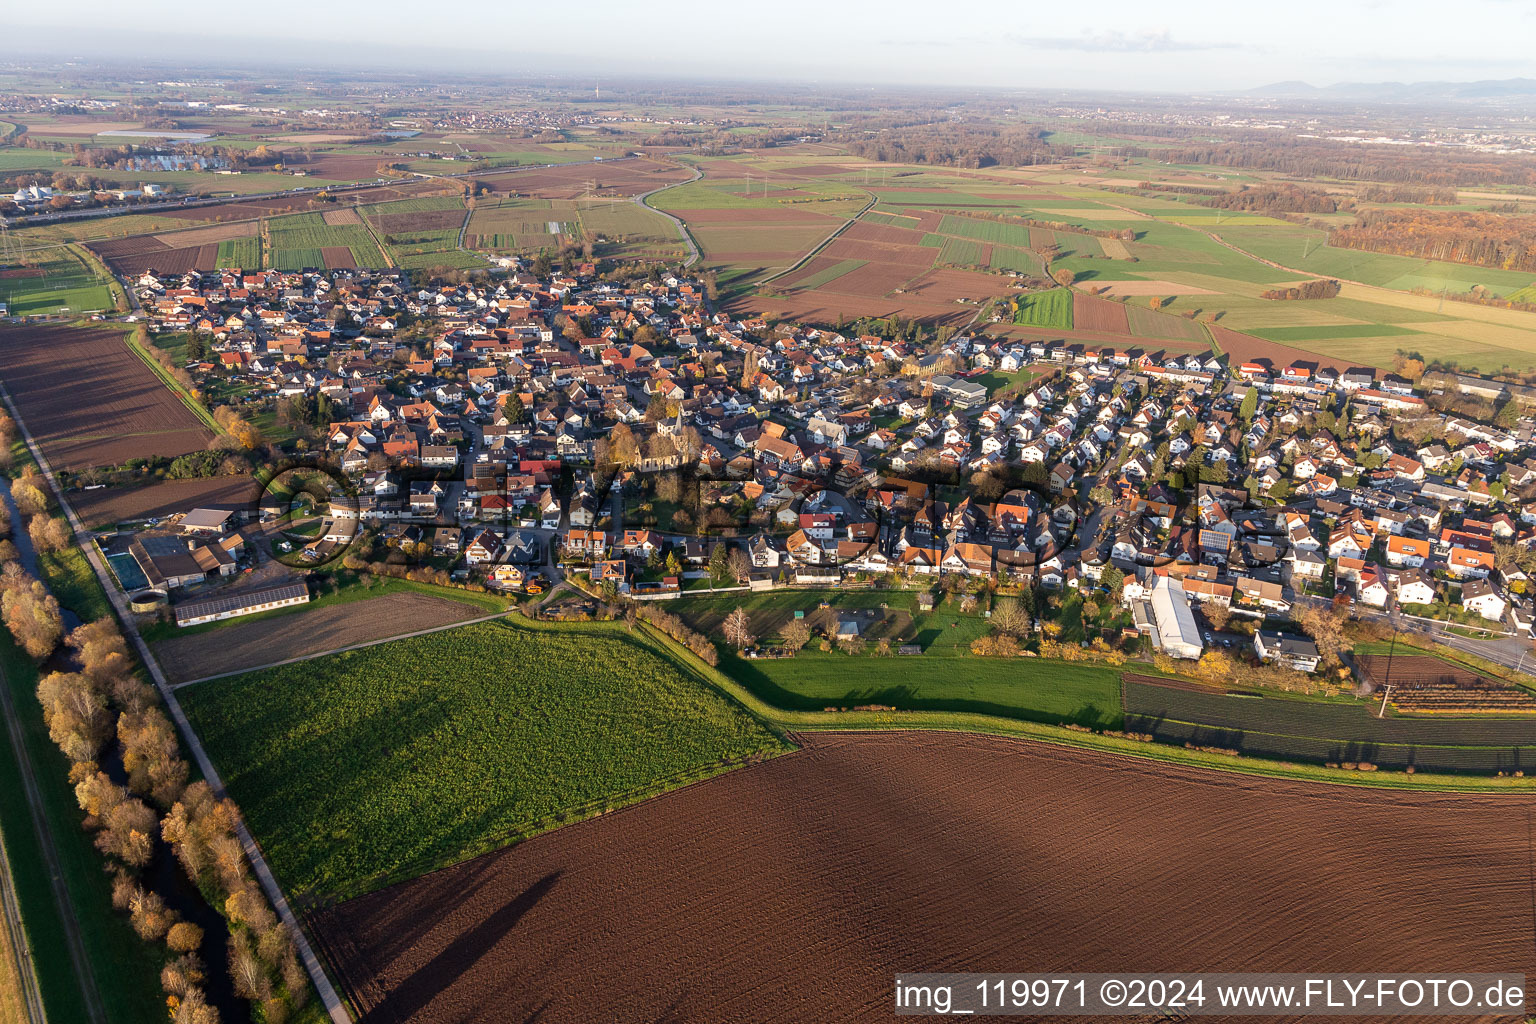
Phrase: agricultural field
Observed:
(586, 179)
(513, 225)
(1051, 309)
(1317, 731)
(305, 631)
(764, 875)
(749, 228)
(299, 240)
(404, 772)
(240, 252)
(118, 407)
(1424, 683)
(159, 498)
(53, 279)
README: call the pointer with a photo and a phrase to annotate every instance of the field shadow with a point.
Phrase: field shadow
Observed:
(456, 959)
(908, 698)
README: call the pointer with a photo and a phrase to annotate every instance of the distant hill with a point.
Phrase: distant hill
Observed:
(1488, 90)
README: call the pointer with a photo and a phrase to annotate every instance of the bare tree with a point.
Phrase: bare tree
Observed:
(796, 635)
(737, 631)
(740, 565)
(1010, 619)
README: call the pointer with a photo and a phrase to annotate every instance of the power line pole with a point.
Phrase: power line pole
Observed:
(1388, 695)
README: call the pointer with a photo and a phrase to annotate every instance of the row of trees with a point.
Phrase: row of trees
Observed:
(1275, 199)
(105, 701)
(679, 630)
(1318, 289)
(100, 715)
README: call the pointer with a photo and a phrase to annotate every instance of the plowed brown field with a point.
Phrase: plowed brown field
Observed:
(794, 890)
(311, 631)
(90, 401)
(130, 504)
(1091, 313)
(627, 177)
(917, 257)
(750, 218)
(867, 231)
(112, 248)
(166, 261)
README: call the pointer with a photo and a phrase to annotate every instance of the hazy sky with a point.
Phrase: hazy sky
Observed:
(1120, 44)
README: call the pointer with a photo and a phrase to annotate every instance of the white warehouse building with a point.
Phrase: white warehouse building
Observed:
(1174, 631)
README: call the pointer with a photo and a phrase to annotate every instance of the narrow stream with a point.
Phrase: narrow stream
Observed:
(24, 547)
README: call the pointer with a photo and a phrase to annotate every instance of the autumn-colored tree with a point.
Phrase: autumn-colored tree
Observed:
(796, 634)
(1009, 618)
(149, 915)
(1326, 628)
(184, 937)
(622, 447)
(29, 497)
(128, 832)
(49, 533)
(192, 1008)
(76, 714)
(151, 755)
(32, 615)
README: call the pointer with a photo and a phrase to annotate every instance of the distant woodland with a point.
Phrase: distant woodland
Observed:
(1481, 239)
(1318, 158)
(955, 145)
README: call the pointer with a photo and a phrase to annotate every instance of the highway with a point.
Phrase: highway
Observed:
(184, 203)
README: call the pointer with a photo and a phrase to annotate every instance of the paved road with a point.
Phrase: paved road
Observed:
(323, 987)
(682, 228)
(806, 258)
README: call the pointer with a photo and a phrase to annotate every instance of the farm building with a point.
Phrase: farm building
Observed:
(171, 561)
(250, 602)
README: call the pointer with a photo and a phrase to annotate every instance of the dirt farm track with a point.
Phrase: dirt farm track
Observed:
(793, 891)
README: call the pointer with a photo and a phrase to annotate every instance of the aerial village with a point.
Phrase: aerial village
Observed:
(617, 433)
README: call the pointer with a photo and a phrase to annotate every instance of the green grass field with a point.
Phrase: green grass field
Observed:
(297, 259)
(354, 773)
(296, 240)
(1045, 309)
(996, 232)
(240, 252)
(953, 680)
(1303, 248)
(67, 281)
(126, 969)
(1023, 260)
(945, 677)
(961, 252)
